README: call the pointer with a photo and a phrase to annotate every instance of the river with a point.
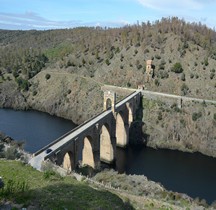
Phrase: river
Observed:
(193, 174)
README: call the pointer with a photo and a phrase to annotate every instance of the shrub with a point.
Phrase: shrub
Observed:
(22, 83)
(12, 187)
(196, 115)
(107, 62)
(47, 76)
(191, 75)
(158, 57)
(184, 89)
(163, 74)
(146, 50)
(177, 68)
(157, 83)
(135, 51)
(183, 77)
(206, 62)
(214, 116)
(212, 75)
(34, 93)
(159, 116)
(12, 153)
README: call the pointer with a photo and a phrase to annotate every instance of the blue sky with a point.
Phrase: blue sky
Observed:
(51, 14)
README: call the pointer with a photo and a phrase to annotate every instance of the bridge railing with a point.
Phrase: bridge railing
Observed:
(125, 99)
(66, 134)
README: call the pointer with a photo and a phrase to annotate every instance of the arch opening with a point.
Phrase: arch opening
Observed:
(106, 147)
(130, 113)
(68, 161)
(87, 153)
(121, 131)
(108, 104)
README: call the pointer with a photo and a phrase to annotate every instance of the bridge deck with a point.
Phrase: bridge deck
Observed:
(72, 135)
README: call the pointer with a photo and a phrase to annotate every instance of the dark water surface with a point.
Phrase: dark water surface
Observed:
(193, 174)
(37, 129)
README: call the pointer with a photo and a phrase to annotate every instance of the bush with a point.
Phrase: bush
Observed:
(12, 153)
(183, 77)
(23, 84)
(146, 50)
(177, 68)
(34, 93)
(47, 76)
(159, 116)
(163, 74)
(191, 75)
(12, 187)
(212, 75)
(158, 57)
(184, 89)
(206, 62)
(107, 62)
(157, 83)
(196, 116)
(214, 116)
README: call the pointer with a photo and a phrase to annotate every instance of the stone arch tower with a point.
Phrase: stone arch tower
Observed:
(149, 70)
(109, 96)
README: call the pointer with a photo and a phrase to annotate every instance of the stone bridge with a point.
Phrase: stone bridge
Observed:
(96, 139)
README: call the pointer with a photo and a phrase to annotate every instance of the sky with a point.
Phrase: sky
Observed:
(56, 14)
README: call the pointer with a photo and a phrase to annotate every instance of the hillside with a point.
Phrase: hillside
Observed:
(61, 72)
(118, 56)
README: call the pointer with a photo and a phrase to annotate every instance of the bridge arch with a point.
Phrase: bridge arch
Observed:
(68, 162)
(106, 146)
(108, 104)
(87, 152)
(109, 100)
(122, 131)
(130, 112)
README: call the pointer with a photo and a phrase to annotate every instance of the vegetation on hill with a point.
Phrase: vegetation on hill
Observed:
(184, 54)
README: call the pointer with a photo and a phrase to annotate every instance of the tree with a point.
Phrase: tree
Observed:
(215, 116)
(177, 68)
(47, 76)
(1, 183)
(184, 89)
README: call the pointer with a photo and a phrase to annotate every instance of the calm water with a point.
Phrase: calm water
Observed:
(193, 174)
(37, 129)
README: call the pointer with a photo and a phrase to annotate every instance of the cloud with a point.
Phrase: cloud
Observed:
(31, 20)
(167, 5)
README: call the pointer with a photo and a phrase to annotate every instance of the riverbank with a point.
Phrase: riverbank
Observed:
(11, 149)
